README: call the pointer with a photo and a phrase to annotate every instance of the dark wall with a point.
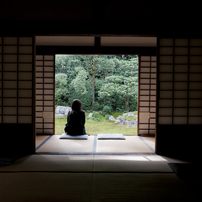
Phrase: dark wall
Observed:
(110, 17)
(100, 17)
(179, 141)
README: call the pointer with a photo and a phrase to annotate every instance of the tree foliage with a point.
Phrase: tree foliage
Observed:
(98, 81)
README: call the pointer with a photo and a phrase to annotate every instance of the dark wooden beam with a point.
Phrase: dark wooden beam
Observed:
(50, 50)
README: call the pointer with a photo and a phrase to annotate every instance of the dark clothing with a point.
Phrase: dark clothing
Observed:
(75, 123)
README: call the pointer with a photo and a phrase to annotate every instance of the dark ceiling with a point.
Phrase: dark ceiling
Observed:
(127, 17)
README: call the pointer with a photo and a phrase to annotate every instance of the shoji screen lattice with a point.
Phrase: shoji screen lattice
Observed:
(16, 65)
(180, 78)
(45, 94)
(147, 95)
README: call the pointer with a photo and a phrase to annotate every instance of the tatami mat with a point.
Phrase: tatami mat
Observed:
(40, 139)
(90, 163)
(55, 144)
(132, 144)
(45, 187)
(80, 163)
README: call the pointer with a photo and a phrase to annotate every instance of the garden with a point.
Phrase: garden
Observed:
(107, 86)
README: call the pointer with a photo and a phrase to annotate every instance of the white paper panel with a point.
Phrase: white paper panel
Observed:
(180, 120)
(10, 49)
(165, 68)
(180, 111)
(25, 58)
(165, 111)
(180, 103)
(166, 42)
(195, 59)
(25, 76)
(181, 42)
(165, 120)
(180, 68)
(10, 75)
(25, 119)
(181, 51)
(180, 94)
(9, 119)
(10, 40)
(25, 110)
(181, 59)
(25, 49)
(10, 58)
(39, 57)
(10, 111)
(195, 120)
(195, 51)
(25, 40)
(25, 84)
(25, 102)
(10, 93)
(49, 57)
(166, 59)
(24, 93)
(165, 77)
(195, 42)
(10, 84)
(25, 67)
(166, 51)
(166, 94)
(181, 77)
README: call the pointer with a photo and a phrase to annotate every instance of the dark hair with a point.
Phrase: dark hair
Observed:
(76, 105)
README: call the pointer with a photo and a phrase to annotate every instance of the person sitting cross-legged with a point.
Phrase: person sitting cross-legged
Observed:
(76, 119)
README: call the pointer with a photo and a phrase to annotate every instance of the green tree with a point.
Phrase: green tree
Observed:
(79, 83)
(119, 87)
(61, 90)
(91, 64)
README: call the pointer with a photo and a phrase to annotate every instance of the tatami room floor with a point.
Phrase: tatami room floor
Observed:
(95, 171)
(132, 144)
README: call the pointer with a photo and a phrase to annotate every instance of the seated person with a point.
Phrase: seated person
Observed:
(76, 119)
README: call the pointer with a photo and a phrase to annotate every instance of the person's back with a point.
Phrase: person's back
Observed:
(76, 120)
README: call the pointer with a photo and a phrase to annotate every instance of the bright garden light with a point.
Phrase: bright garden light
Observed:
(107, 85)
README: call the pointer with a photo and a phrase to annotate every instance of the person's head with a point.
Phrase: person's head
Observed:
(76, 105)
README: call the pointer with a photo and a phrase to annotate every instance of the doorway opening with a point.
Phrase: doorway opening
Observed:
(107, 86)
(146, 93)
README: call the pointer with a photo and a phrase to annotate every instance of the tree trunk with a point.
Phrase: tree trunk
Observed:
(93, 95)
(127, 103)
(93, 65)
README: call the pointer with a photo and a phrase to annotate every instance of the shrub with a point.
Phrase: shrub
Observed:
(106, 110)
(95, 116)
(107, 116)
(96, 106)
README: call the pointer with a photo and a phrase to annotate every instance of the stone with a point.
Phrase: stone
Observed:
(62, 110)
(111, 118)
(122, 121)
(130, 114)
(67, 110)
(119, 117)
(90, 115)
(125, 114)
(59, 115)
(117, 121)
(57, 110)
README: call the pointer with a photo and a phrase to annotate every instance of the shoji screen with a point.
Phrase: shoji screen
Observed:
(45, 94)
(16, 65)
(147, 95)
(180, 79)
